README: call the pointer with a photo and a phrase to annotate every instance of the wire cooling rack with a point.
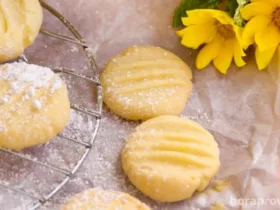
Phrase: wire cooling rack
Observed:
(68, 174)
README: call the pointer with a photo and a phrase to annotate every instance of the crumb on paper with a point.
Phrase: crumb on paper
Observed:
(221, 185)
(74, 49)
(210, 192)
(218, 206)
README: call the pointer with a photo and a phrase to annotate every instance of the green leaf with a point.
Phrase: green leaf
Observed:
(187, 5)
(232, 6)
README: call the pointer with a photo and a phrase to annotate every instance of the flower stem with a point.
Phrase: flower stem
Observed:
(237, 17)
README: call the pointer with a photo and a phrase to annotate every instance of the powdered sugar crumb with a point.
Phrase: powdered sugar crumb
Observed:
(37, 104)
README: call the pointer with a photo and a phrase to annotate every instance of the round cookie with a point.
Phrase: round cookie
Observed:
(97, 199)
(168, 158)
(20, 22)
(143, 82)
(34, 105)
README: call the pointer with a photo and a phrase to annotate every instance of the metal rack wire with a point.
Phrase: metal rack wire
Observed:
(77, 39)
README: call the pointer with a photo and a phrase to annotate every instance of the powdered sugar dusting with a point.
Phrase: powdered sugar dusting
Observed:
(22, 74)
(98, 199)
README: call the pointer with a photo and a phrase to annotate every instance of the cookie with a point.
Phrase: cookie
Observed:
(143, 82)
(168, 158)
(34, 105)
(20, 22)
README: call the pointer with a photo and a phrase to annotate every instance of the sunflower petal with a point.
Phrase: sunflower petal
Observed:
(198, 13)
(221, 16)
(196, 35)
(208, 53)
(223, 60)
(263, 58)
(255, 9)
(268, 37)
(274, 3)
(199, 18)
(256, 24)
(182, 32)
(238, 54)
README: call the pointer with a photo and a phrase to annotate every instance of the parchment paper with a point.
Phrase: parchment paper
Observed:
(241, 109)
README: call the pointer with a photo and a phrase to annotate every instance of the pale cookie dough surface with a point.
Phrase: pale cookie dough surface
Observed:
(20, 22)
(143, 82)
(168, 158)
(97, 199)
(34, 105)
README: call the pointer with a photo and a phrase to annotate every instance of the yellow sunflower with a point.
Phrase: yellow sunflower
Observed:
(263, 29)
(222, 38)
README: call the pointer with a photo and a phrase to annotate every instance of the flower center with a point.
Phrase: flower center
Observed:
(226, 31)
(276, 17)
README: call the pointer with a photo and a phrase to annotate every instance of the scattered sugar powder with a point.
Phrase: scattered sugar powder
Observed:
(100, 198)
